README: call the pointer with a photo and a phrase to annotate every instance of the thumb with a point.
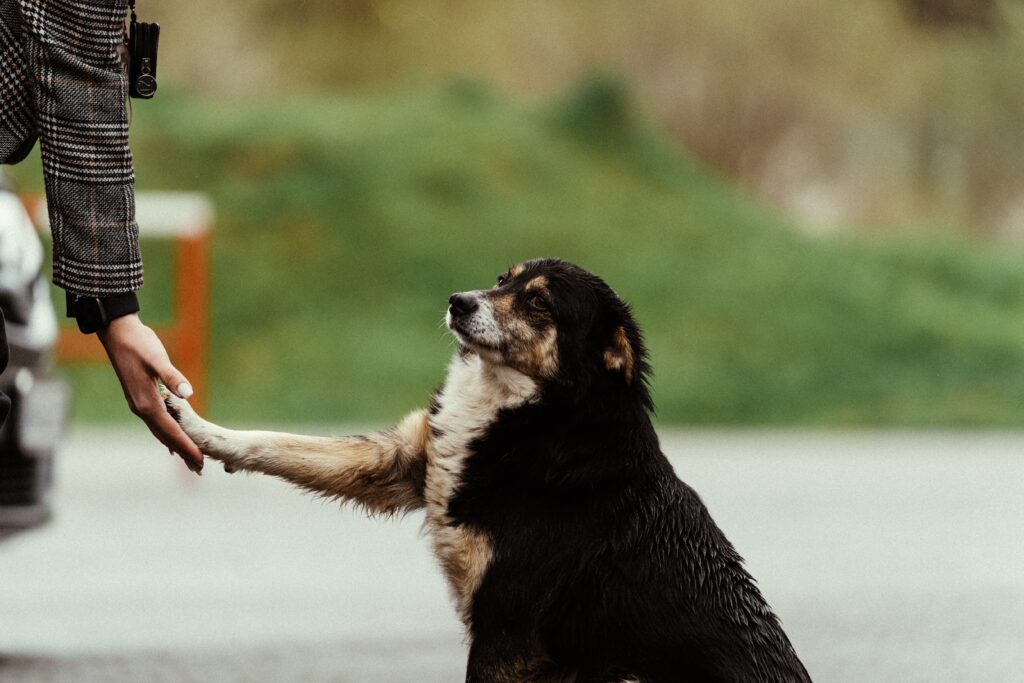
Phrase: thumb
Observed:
(175, 381)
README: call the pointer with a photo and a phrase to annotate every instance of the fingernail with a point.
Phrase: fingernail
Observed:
(184, 390)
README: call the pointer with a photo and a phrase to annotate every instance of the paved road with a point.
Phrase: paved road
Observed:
(890, 557)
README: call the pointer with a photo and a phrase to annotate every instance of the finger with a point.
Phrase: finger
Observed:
(171, 435)
(175, 381)
(167, 443)
(166, 428)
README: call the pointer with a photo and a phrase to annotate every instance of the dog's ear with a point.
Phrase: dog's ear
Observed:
(618, 357)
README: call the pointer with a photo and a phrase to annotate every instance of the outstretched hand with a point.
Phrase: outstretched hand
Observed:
(140, 360)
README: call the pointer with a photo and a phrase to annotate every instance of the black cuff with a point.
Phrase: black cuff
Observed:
(94, 314)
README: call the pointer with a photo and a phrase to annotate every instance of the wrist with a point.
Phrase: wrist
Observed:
(118, 330)
(94, 314)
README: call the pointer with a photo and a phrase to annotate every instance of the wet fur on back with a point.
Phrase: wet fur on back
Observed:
(572, 550)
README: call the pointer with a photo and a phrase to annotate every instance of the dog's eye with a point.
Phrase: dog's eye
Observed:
(501, 280)
(538, 302)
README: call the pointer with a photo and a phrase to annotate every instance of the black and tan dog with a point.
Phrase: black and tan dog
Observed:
(572, 550)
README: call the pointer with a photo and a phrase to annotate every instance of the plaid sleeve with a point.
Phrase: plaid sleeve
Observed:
(17, 122)
(80, 99)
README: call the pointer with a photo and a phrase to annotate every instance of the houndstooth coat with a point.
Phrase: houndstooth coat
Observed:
(61, 82)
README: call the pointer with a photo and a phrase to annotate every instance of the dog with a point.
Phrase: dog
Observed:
(572, 551)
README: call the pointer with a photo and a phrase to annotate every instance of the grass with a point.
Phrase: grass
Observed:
(344, 224)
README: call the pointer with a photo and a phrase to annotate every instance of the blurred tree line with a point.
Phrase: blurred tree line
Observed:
(877, 113)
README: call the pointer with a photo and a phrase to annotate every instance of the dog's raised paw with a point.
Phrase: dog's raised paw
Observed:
(179, 409)
(172, 403)
(173, 410)
(202, 433)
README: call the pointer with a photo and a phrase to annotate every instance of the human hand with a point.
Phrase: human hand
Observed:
(139, 359)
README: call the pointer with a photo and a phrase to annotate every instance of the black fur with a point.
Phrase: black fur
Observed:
(606, 565)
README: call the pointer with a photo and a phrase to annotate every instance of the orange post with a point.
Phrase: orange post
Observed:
(185, 219)
(192, 296)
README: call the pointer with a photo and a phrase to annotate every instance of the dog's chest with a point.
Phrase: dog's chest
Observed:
(468, 405)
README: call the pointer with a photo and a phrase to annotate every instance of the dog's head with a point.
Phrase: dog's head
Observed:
(554, 322)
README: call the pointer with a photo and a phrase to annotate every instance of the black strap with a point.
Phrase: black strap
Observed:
(95, 313)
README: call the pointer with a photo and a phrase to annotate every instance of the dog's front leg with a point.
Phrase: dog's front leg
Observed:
(385, 471)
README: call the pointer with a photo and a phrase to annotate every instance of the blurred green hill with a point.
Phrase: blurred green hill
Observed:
(345, 223)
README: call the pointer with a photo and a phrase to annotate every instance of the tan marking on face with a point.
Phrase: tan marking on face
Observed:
(619, 356)
(537, 284)
(502, 306)
(529, 350)
(540, 358)
(516, 271)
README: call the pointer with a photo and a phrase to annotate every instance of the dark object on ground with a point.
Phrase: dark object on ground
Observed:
(34, 399)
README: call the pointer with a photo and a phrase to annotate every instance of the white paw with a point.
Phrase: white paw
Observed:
(210, 438)
(182, 412)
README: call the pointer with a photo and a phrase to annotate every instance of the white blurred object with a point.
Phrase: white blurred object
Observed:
(160, 213)
(40, 329)
(24, 293)
(21, 253)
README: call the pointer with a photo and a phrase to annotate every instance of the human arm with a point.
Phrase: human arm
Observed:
(79, 95)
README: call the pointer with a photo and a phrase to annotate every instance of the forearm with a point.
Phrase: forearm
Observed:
(80, 94)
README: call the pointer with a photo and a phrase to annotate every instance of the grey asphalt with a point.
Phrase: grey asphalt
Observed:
(889, 557)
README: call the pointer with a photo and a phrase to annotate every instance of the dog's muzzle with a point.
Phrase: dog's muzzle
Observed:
(461, 305)
(471, 318)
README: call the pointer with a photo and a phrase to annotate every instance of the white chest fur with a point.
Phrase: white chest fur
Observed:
(473, 394)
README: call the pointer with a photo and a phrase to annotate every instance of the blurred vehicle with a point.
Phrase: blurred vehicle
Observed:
(39, 410)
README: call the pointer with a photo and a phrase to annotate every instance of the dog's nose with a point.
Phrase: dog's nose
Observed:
(462, 304)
